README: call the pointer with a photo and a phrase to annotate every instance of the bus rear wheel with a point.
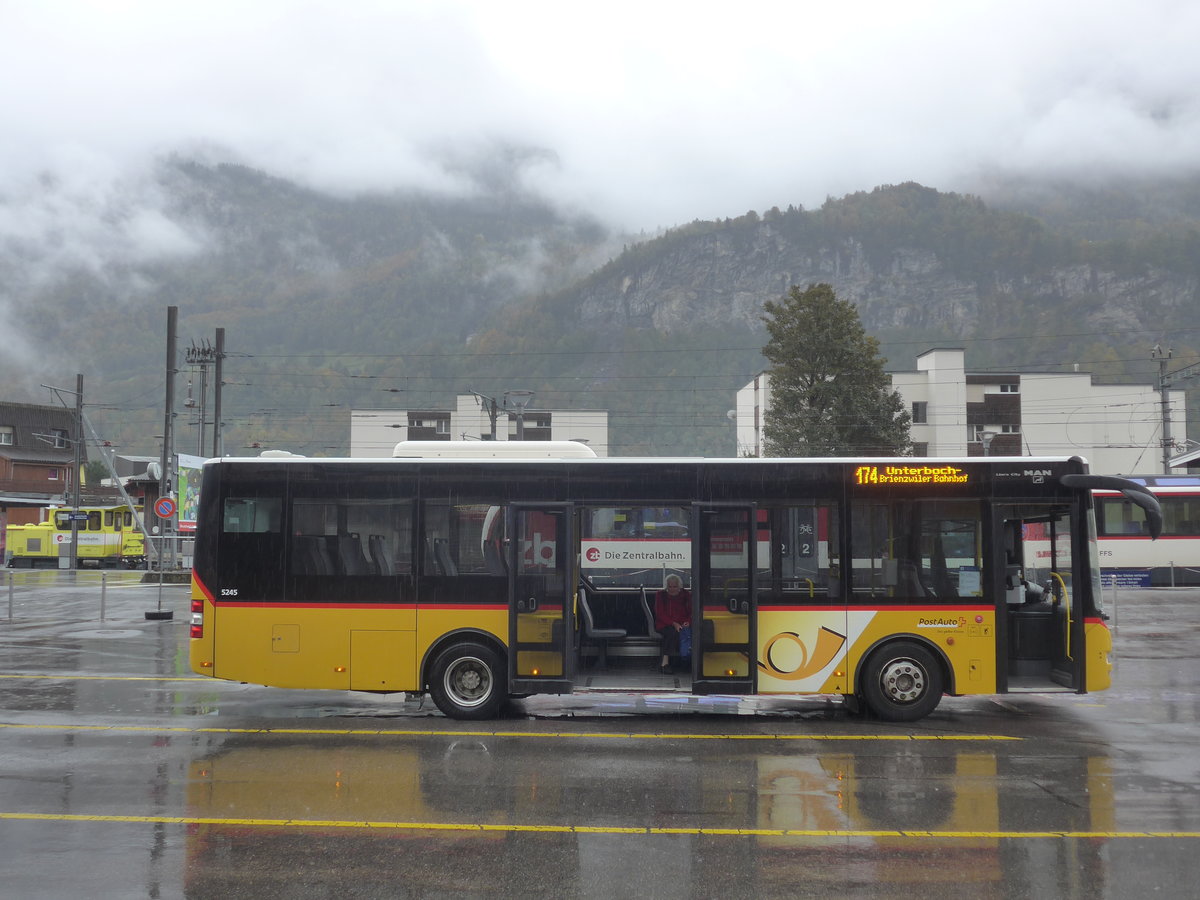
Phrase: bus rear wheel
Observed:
(468, 681)
(902, 682)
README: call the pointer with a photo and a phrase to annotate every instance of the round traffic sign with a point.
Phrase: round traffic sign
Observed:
(164, 507)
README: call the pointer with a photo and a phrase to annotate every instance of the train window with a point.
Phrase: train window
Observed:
(1181, 516)
(1118, 517)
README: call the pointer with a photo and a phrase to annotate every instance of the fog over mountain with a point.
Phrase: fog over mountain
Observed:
(572, 131)
(651, 115)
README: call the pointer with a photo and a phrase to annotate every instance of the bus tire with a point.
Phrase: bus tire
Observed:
(902, 682)
(468, 681)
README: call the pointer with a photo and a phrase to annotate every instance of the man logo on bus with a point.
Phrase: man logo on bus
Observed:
(829, 644)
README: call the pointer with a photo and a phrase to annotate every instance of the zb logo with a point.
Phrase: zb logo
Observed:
(829, 644)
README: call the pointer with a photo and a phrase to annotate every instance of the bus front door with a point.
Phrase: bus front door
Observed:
(541, 568)
(1042, 606)
(723, 600)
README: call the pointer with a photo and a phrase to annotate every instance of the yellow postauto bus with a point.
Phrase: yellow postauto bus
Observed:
(888, 582)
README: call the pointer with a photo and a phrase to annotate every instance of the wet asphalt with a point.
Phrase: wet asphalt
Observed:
(124, 775)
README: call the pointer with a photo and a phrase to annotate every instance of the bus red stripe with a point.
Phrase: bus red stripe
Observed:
(203, 587)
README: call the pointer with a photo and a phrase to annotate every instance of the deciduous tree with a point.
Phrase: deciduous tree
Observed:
(830, 395)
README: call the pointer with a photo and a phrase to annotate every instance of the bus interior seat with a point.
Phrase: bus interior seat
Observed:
(441, 556)
(908, 580)
(597, 636)
(312, 556)
(379, 555)
(493, 558)
(648, 612)
(350, 555)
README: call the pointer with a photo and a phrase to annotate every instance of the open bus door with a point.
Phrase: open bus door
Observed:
(1042, 605)
(724, 611)
(541, 585)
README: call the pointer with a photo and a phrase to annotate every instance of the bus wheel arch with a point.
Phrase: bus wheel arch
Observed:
(467, 677)
(902, 679)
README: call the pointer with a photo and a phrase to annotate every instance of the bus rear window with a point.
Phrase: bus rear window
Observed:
(252, 515)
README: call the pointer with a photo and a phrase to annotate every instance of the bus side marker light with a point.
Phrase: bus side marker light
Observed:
(339, 668)
(950, 641)
(206, 664)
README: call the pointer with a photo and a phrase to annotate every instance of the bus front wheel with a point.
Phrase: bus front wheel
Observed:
(468, 681)
(902, 682)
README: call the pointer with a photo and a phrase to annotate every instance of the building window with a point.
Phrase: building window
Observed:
(52, 474)
(60, 438)
(7, 435)
(1010, 429)
(920, 412)
(1010, 388)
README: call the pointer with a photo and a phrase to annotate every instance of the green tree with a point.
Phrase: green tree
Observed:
(94, 472)
(829, 393)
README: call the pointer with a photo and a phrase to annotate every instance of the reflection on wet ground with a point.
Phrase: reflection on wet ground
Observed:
(123, 775)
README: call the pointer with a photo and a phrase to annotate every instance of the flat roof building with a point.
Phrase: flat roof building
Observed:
(374, 432)
(1116, 427)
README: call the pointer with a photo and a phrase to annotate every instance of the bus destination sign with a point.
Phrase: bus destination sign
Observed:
(900, 474)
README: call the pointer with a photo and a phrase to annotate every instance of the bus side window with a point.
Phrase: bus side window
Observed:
(251, 515)
(453, 540)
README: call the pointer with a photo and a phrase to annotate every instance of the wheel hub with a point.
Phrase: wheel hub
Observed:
(468, 682)
(903, 681)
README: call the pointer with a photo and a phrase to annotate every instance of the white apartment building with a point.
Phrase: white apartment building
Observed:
(1116, 427)
(374, 432)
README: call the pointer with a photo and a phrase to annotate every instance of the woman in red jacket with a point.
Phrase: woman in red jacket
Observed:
(672, 613)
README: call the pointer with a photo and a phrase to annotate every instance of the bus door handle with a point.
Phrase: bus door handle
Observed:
(1066, 601)
(527, 606)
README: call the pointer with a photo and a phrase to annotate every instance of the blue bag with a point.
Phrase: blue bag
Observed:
(685, 641)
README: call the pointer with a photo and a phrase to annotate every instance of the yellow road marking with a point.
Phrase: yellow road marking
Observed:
(71, 677)
(414, 732)
(593, 829)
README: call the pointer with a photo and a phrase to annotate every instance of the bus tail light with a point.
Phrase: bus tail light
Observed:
(197, 630)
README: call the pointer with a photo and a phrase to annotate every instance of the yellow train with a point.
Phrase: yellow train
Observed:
(107, 537)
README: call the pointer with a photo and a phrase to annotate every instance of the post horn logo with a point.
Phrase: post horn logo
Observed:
(829, 644)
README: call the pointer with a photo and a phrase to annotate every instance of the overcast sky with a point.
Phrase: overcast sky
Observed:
(653, 113)
(658, 113)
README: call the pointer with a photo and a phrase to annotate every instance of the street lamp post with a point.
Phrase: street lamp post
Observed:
(518, 401)
(987, 437)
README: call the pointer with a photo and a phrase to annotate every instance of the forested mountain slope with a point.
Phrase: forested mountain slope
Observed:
(331, 303)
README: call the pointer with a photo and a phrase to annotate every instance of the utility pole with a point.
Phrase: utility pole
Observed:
(1167, 380)
(1165, 401)
(489, 406)
(164, 479)
(219, 355)
(514, 402)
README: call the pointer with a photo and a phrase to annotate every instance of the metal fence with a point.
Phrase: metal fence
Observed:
(85, 594)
